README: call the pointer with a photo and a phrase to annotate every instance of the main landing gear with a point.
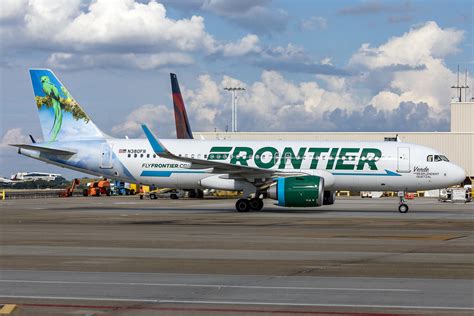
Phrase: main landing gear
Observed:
(403, 207)
(245, 205)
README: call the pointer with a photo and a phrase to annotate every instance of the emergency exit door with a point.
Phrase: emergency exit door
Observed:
(403, 159)
(106, 156)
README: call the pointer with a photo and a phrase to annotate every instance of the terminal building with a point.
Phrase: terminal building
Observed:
(457, 145)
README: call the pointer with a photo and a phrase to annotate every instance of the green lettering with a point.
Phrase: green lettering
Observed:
(372, 153)
(239, 158)
(344, 164)
(288, 153)
(219, 153)
(332, 158)
(258, 157)
(316, 155)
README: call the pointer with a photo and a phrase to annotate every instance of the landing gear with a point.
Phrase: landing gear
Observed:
(256, 204)
(242, 205)
(403, 207)
(246, 205)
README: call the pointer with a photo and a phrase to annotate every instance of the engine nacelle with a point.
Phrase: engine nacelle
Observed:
(300, 191)
(329, 197)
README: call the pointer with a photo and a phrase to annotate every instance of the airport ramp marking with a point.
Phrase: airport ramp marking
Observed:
(216, 286)
(250, 303)
(6, 309)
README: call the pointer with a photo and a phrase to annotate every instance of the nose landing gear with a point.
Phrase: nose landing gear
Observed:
(403, 207)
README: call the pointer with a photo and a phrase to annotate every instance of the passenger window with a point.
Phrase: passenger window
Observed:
(205, 156)
(429, 158)
(154, 156)
(134, 155)
(148, 155)
(141, 155)
(129, 155)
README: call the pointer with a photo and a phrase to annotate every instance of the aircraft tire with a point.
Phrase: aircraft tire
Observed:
(403, 208)
(242, 205)
(256, 204)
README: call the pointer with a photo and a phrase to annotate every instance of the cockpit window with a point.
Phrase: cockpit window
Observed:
(429, 158)
(444, 158)
(437, 158)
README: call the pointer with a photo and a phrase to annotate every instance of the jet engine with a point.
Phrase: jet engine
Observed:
(299, 191)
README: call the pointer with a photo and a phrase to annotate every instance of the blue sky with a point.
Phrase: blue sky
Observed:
(306, 65)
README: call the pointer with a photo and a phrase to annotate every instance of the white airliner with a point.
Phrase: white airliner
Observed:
(294, 173)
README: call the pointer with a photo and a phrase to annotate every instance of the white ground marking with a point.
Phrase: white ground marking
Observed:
(214, 286)
(233, 302)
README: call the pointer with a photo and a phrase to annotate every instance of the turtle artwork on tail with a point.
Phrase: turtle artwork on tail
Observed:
(52, 91)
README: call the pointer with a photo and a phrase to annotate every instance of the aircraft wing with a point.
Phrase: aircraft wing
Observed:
(46, 150)
(234, 171)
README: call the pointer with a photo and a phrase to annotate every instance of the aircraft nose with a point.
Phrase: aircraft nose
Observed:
(458, 174)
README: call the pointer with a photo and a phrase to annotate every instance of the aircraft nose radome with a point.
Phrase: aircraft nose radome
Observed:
(458, 174)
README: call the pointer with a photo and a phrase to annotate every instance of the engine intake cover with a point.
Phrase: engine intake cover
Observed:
(301, 191)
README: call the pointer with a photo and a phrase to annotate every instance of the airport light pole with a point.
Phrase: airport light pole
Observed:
(234, 105)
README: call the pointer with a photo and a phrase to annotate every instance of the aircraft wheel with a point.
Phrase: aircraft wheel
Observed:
(403, 208)
(256, 204)
(242, 205)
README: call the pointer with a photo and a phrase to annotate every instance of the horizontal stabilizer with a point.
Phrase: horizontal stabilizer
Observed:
(46, 150)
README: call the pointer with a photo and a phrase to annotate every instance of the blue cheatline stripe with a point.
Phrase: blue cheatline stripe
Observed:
(387, 173)
(281, 191)
(152, 173)
(153, 142)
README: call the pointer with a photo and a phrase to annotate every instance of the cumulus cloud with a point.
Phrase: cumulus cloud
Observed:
(292, 58)
(248, 44)
(110, 33)
(406, 117)
(375, 7)
(14, 136)
(129, 60)
(11, 10)
(158, 117)
(257, 16)
(413, 66)
(313, 23)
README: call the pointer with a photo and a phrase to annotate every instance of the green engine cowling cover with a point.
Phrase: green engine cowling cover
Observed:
(301, 191)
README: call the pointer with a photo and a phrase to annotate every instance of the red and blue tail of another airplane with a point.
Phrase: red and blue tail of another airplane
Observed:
(183, 129)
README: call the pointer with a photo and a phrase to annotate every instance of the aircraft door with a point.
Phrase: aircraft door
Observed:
(106, 160)
(403, 159)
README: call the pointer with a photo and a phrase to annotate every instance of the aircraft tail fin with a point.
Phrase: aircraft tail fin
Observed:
(183, 129)
(61, 117)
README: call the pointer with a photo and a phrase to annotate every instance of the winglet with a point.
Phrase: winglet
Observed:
(154, 142)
